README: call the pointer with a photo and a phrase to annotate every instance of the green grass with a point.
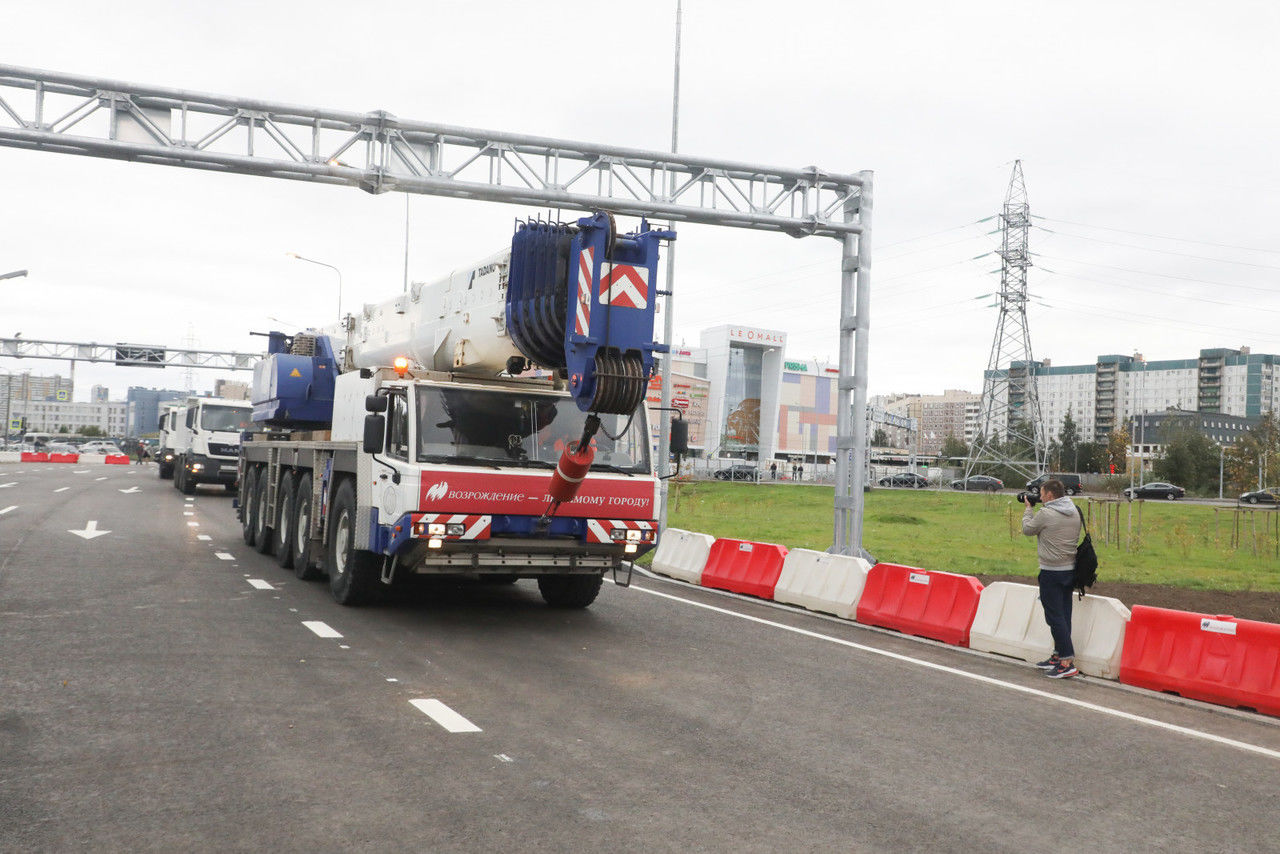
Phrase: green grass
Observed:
(1174, 543)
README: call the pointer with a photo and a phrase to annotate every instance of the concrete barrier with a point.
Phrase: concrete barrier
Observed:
(10, 456)
(682, 554)
(117, 459)
(1010, 621)
(741, 566)
(822, 582)
(938, 605)
(1218, 659)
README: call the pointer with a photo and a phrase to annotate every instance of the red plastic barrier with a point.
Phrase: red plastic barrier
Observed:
(31, 457)
(744, 567)
(63, 458)
(1217, 659)
(117, 459)
(938, 605)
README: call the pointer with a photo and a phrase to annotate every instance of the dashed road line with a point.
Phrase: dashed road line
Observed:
(99, 478)
(7, 509)
(323, 630)
(445, 716)
(203, 537)
(193, 524)
(260, 584)
(62, 489)
(188, 513)
(9, 484)
(224, 556)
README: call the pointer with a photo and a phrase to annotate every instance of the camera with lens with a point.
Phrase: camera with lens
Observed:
(1030, 495)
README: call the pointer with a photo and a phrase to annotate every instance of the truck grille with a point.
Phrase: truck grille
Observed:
(218, 449)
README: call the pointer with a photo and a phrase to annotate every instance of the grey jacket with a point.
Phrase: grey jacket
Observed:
(1057, 529)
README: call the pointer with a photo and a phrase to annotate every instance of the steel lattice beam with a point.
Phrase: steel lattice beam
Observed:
(128, 355)
(377, 152)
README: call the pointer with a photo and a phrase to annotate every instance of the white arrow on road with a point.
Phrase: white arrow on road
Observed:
(90, 531)
(128, 491)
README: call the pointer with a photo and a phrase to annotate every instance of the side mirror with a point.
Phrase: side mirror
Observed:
(375, 403)
(375, 430)
(679, 437)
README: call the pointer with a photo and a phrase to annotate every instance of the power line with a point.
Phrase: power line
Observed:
(1160, 236)
(1272, 290)
(1166, 294)
(1153, 249)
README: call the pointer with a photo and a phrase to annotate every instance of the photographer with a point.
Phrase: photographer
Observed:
(1056, 528)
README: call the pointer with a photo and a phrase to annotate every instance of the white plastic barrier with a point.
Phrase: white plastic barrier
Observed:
(10, 456)
(93, 459)
(822, 582)
(682, 554)
(1010, 621)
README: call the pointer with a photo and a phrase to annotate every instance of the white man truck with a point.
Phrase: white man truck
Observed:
(200, 442)
(490, 424)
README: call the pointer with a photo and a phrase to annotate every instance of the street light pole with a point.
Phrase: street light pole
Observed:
(331, 267)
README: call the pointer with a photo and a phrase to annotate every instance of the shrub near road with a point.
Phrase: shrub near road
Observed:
(1181, 547)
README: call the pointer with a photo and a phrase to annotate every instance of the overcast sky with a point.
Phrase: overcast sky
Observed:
(1149, 134)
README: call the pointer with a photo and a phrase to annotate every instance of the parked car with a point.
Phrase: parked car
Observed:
(61, 448)
(736, 473)
(1070, 481)
(1155, 490)
(100, 447)
(905, 478)
(978, 483)
(1270, 495)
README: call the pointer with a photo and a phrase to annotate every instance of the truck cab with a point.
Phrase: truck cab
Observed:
(167, 450)
(206, 441)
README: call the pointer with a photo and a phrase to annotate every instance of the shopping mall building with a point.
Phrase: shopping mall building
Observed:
(744, 398)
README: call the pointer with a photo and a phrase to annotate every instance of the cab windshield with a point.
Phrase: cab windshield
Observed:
(477, 427)
(230, 419)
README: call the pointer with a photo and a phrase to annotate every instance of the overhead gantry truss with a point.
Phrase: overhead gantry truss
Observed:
(128, 355)
(379, 152)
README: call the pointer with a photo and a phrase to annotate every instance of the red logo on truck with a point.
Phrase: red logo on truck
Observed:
(526, 495)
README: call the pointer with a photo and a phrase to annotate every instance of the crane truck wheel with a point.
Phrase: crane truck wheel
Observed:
(177, 473)
(188, 485)
(352, 571)
(569, 591)
(284, 521)
(261, 515)
(247, 506)
(300, 532)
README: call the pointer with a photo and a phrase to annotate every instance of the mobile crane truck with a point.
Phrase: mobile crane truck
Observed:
(491, 423)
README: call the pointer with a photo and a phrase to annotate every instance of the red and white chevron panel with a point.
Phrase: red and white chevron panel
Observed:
(582, 311)
(477, 527)
(625, 286)
(601, 530)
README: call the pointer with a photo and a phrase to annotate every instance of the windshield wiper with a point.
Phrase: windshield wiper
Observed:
(630, 472)
(462, 459)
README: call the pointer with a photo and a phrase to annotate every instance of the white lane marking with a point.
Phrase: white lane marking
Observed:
(9, 484)
(62, 489)
(260, 584)
(188, 514)
(189, 499)
(80, 471)
(341, 645)
(7, 509)
(392, 679)
(193, 524)
(130, 491)
(203, 537)
(224, 555)
(90, 531)
(99, 478)
(445, 716)
(321, 629)
(987, 680)
(502, 757)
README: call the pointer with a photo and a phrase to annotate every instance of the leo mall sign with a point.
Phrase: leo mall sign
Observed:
(758, 336)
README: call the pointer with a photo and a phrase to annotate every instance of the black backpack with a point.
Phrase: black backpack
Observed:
(1085, 572)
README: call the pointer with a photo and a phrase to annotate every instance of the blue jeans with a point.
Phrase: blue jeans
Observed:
(1055, 596)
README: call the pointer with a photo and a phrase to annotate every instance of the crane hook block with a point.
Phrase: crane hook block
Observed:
(581, 299)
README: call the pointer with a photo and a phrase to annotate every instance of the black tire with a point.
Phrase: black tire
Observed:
(248, 524)
(353, 572)
(1253, 499)
(1070, 491)
(165, 471)
(284, 521)
(498, 580)
(229, 487)
(994, 489)
(261, 529)
(569, 591)
(1171, 496)
(177, 473)
(188, 485)
(300, 541)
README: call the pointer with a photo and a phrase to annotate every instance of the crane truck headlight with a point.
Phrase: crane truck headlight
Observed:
(197, 466)
(435, 543)
(630, 548)
(401, 365)
(435, 529)
(456, 529)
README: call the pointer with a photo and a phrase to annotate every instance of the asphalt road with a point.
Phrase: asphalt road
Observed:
(160, 689)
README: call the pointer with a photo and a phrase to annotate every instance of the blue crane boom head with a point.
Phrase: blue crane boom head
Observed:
(581, 299)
